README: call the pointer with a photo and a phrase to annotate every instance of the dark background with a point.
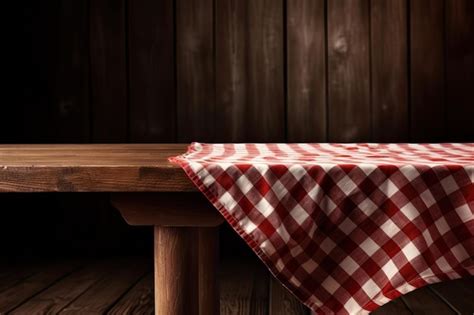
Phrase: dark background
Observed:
(220, 71)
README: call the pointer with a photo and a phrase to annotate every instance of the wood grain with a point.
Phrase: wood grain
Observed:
(12, 274)
(70, 89)
(348, 71)
(306, 71)
(208, 267)
(389, 70)
(108, 82)
(195, 70)
(30, 88)
(395, 307)
(176, 271)
(460, 69)
(119, 167)
(455, 293)
(119, 277)
(424, 301)
(282, 302)
(151, 71)
(427, 71)
(139, 300)
(249, 71)
(60, 294)
(167, 209)
(244, 287)
(15, 295)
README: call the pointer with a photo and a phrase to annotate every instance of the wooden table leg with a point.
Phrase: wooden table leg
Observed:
(186, 248)
(186, 261)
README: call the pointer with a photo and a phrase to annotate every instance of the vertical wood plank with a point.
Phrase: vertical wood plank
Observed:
(108, 71)
(282, 302)
(108, 89)
(70, 114)
(244, 287)
(195, 70)
(29, 70)
(460, 69)
(427, 70)
(151, 71)
(306, 71)
(249, 71)
(389, 70)
(348, 71)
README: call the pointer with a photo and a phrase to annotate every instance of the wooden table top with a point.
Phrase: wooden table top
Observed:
(91, 168)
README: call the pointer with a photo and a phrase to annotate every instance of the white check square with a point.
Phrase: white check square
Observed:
(331, 285)
(244, 184)
(346, 184)
(367, 206)
(371, 288)
(264, 207)
(410, 251)
(369, 246)
(283, 233)
(460, 253)
(390, 228)
(279, 189)
(410, 211)
(389, 188)
(427, 198)
(442, 226)
(349, 265)
(228, 201)
(309, 266)
(389, 269)
(464, 213)
(299, 214)
(449, 184)
(410, 172)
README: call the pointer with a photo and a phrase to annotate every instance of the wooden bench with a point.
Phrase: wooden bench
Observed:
(147, 190)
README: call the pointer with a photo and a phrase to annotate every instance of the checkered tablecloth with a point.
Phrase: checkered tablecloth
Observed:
(346, 227)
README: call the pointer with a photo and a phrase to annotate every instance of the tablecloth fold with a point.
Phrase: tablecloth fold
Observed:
(345, 227)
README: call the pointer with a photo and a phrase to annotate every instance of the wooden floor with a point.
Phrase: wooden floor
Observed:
(125, 286)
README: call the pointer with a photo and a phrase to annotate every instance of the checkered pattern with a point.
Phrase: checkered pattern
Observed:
(346, 227)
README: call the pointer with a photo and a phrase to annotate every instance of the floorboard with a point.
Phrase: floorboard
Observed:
(424, 302)
(459, 294)
(395, 307)
(139, 300)
(29, 287)
(13, 274)
(62, 293)
(120, 277)
(117, 286)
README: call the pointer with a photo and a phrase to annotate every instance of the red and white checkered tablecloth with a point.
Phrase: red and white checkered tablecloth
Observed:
(346, 227)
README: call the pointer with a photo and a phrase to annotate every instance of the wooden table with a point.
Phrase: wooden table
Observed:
(147, 190)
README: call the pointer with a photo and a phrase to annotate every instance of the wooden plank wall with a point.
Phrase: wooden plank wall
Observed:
(229, 70)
